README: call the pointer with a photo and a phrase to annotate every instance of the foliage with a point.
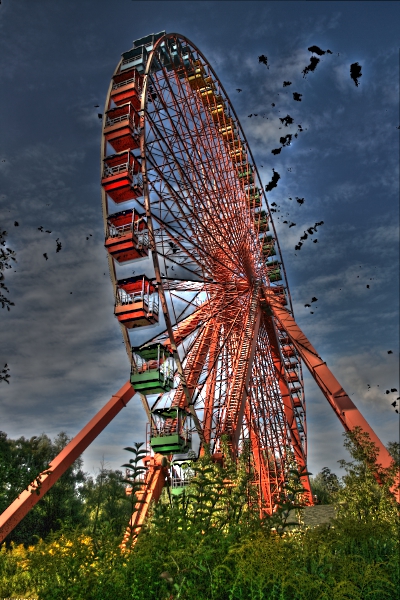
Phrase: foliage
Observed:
(208, 543)
(21, 461)
(324, 485)
(365, 495)
(7, 256)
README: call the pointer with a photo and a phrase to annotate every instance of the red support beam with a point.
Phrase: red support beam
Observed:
(45, 480)
(343, 406)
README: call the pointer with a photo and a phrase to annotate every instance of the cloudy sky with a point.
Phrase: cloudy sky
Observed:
(61, 340)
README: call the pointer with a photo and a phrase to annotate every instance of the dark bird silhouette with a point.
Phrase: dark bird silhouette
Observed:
(314, 299)
(286, 83)
(318, 224)
(316, 50)
(292, 225)
(48, 231)
(307, 305)
(304, 237)
(300, 200)
(393, 390)
(311, 67)
(389, 352)
(238, 90)
(394, 403)
(96, 106)
(264, 60)
(310, 230)
(298, 246)
(286, 120)
(276, 151)
(355, 73)
(59, 246)
(387, 392)
(87, 238)
(274, 181)
(274, 204)
(250, 115)
(368, 286)
(100, 115)
(311, 312)
(16, 224)
(285, 222)
(315, 241)
(285, 141)
(273, 104)
(40, 228)
(45, 255)
(297, 96)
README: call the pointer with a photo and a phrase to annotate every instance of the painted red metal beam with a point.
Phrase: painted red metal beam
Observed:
(45, 480)
(150, 492)
(343, 406)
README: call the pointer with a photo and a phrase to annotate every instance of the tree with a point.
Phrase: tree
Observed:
(324, 485)
(6, 257)
(366, 494)
(21, 461)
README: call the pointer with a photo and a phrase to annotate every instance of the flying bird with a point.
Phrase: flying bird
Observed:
(250, 115)
(394, 403)
(274, 181)
(314, 299)
(312, 66)
(389, 352)
(318, 224)
(285, 141)
(100, 115)
(96, 106)
(276, 151)
(286, 83)
(45, 255)
(368, 286)
(307, 305)
(292, 225)
(40, 228)
(238, 90)
(304, 237)
(298, 246)
(355, 72)
(393, 390)
(59, 246)
(16, 224)
(274, 204)
(317, 50)
(310, 230)
(273, 104)
(315, 241)
(297, 96)
(300, 200)
(264, 60)
(47, 231)
(286, 120)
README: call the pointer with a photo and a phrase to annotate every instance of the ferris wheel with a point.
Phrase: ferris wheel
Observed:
(200, 288)
(213, 360)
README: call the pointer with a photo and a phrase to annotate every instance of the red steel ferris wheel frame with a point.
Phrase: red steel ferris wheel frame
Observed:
(275, 321)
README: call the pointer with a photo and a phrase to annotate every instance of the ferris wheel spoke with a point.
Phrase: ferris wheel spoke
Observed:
(200, 177)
